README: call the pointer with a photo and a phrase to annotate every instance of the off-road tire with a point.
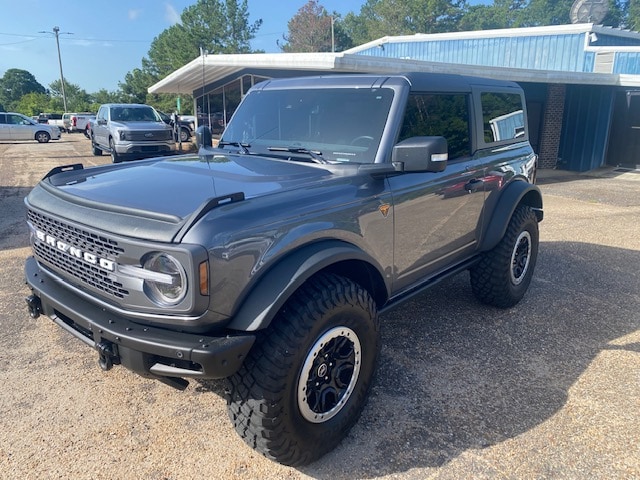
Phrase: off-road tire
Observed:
(279, 401)
(502, 276)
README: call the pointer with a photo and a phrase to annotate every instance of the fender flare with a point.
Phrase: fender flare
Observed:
(514, 194)
(275, 287)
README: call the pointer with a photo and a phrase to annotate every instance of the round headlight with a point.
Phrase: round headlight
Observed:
(169, 287)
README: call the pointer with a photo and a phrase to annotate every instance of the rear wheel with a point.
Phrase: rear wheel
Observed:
(503, 275)
(306, 381)
(43, 137)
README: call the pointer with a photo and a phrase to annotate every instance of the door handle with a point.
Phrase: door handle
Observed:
(473, 185)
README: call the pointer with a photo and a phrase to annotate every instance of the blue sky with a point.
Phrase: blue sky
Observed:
(109, 39)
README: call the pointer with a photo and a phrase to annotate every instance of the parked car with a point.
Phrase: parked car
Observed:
(266, 260)
(56, 119)
(15, 126)
(130, 131)
(186, 127)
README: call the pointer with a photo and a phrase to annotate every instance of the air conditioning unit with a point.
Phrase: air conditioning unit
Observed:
(604, 62)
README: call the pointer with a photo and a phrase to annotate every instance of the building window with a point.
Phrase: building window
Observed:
(503, 117)
(445, 115)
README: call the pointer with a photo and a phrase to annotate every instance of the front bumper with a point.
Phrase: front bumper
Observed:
(145, 149)
(149, 351)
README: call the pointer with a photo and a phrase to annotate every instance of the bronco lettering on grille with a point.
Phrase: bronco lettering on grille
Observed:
(75, 252)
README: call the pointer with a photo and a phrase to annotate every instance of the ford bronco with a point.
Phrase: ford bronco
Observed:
(268, 259)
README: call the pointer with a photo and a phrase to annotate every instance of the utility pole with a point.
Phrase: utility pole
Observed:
(56, 32)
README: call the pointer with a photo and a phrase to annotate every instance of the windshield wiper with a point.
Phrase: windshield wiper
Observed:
(242, 146)
(315, 155)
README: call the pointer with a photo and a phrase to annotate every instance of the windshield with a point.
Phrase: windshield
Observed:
(134, 114)
(341, 124)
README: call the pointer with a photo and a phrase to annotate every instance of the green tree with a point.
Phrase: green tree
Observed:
(16, 83)
(213, 25)
(33, 104)
(633, 15)
(310, 30)
(500, 14)
(380, 18)
(78, 100)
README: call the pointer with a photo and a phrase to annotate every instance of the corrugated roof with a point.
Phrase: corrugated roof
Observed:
(218, 69)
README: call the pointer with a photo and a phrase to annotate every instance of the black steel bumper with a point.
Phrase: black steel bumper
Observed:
(149, 351)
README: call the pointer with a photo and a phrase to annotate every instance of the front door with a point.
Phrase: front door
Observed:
(437, 215)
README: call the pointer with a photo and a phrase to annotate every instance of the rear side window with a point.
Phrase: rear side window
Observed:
(502, 116)
(445, 115)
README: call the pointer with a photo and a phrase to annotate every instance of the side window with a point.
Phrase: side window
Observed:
(502, 117)
(15, 119)
(3, 118)
(101, 114)
(445, 115)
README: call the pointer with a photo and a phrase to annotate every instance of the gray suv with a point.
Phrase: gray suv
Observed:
(130, 131)
(267, 260)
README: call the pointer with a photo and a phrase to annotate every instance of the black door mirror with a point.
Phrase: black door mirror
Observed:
(421, 154)
(203, 137)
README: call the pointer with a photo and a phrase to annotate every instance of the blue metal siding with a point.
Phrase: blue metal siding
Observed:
(614, 41)
(542, 52)
(589, 61)
(586, 127)
(627, 62)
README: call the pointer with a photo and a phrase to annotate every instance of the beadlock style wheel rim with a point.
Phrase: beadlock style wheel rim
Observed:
(520, 258)
(329, 374)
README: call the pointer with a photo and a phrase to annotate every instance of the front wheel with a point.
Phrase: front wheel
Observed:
(306, 380)
(115, 158)
(43, 137)
(502, 276)
(184, 135)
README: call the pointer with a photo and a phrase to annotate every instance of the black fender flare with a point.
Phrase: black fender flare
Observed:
(514, 194)
(275, 287)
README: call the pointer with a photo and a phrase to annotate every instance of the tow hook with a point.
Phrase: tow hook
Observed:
(106, 355)
(34, 305)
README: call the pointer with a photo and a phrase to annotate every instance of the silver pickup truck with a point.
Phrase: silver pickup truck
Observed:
(130, 131)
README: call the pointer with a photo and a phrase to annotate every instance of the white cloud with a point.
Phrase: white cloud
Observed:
(134, 13)
(171, 14)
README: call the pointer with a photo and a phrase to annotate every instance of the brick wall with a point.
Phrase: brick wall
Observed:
(552, 126)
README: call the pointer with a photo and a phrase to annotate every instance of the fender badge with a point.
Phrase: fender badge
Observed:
(384, 209)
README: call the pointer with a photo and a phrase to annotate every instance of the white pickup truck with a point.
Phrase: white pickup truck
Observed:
(54, 119)
(78, 122)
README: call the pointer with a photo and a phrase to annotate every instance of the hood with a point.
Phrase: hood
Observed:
(140, 125)
(175, 187)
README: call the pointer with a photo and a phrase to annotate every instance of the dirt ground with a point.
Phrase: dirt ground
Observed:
(548, 389)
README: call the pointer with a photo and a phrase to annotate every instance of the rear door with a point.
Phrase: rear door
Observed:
(20, 127)
(437, 215)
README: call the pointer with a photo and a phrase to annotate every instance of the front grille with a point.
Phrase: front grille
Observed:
(75, 268)
(148, 135)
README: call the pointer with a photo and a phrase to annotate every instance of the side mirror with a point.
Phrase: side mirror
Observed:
(203, 136)
(421, 154)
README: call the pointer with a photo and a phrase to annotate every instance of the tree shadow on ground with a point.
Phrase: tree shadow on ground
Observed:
(455, 375)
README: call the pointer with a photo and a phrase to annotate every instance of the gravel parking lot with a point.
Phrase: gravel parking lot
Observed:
(549, 389)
